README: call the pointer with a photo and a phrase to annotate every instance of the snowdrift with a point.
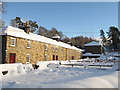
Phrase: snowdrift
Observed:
(16, 69)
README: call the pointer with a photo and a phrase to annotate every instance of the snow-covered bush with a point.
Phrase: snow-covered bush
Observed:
(15, 69)
(21, 70)
(9, 68)
(28, 67)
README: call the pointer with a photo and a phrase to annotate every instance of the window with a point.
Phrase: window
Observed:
(62, 57)
(46, 47)
(46, 58)
(12, 41)
(56, 57)
(56, 49)
(62, 50)
(28, 58)
(69, 57)
(53, 48)
(72, 57)
(73, 52)
(28, 44)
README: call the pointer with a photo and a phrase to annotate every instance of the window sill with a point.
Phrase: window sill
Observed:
(12, 45)
(28, 47)
(27, 62)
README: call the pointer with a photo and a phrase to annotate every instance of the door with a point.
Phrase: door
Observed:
(72, 57)
(53, 57)
(12, 57)
(56, 57)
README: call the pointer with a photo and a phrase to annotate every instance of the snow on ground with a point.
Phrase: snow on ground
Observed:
(64, 77)
(52, 75)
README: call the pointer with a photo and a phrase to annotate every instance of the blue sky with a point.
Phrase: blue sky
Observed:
(72, 18)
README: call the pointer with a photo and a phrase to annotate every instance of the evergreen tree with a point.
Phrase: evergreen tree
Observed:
(102, 37)
(33, 26)
(114, 36)
(17, 22)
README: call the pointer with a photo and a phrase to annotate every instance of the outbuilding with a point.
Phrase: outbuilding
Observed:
(94, 48)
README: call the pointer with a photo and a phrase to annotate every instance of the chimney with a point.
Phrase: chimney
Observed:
(70, 43)
(56, 37)
(27, 27)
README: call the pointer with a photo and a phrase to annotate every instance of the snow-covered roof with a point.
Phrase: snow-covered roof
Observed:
(56, 37)
(12, 31)
(93, 43)
(90, 54)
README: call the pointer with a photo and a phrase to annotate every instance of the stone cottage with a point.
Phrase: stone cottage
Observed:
(21, 47)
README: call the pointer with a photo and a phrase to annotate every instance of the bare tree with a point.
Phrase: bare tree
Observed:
(1, 7)
(80, 41)
(2, 23)
(42, 31)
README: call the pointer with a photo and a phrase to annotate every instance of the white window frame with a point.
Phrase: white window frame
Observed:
(62, 50)
(12, 43)
(46, 57)
(28, 61)
(62, 57)
(56, 48)
(46, 47)
(28, 44)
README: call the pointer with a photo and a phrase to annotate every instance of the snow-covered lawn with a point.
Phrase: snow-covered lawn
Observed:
(84, 73)
(64, 77)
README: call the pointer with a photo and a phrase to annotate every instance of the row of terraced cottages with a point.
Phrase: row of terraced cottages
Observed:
(21, 47)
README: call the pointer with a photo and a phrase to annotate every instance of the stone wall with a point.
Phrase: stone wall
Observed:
(38, 51)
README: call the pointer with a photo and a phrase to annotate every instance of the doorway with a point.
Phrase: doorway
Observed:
(12, 57)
